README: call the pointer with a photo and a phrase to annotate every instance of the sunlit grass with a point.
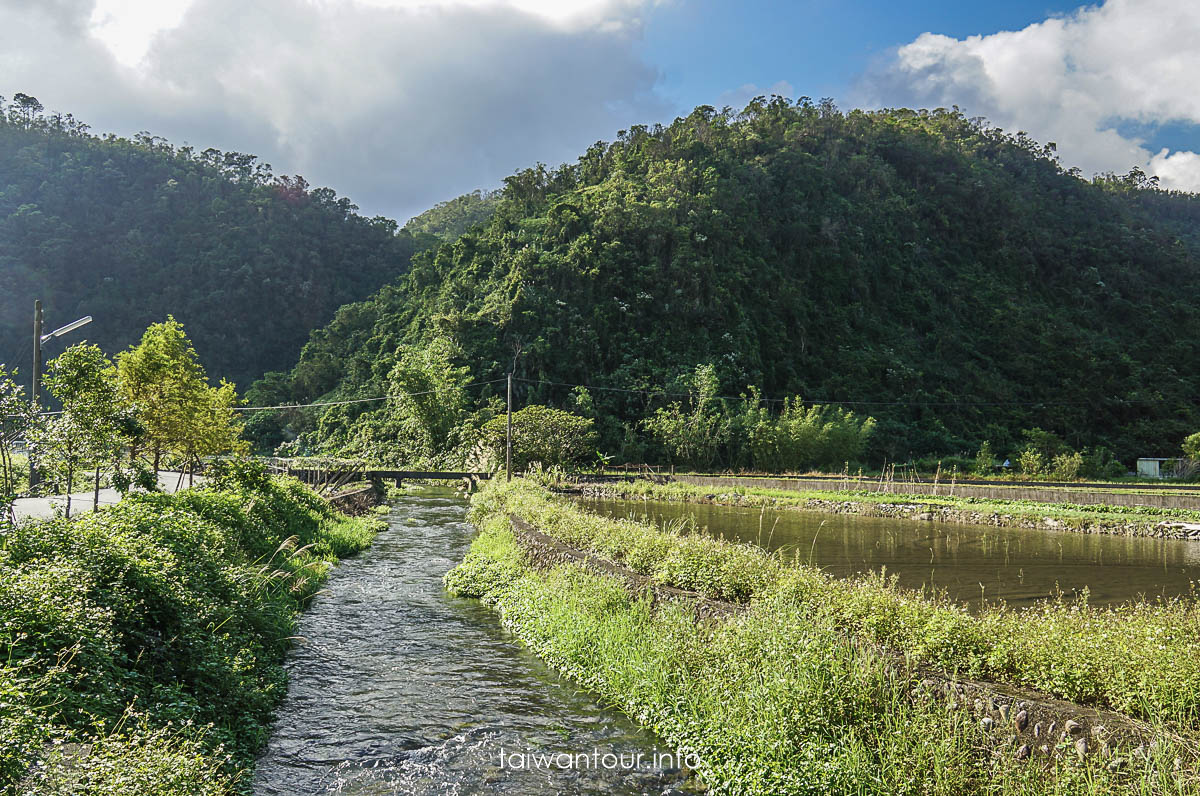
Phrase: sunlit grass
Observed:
(782, 699)
(145, 642)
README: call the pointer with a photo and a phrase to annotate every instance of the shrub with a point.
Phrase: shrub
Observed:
(1191, 446)
(179, 604)
(692, 435)
(985, 460)
(1067, 466)
(1031, 461)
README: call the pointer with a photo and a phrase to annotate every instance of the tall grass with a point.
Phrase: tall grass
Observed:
(1141, 658)
(778, 701)
(148, 639)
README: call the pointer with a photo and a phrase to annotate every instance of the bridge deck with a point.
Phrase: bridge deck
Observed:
(370, 474)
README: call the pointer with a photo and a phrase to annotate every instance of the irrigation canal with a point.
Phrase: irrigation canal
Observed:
(397, 688)
(970, 562)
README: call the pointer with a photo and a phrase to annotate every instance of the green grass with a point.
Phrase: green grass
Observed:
(1070, 514)
(153, 633)
(779, 701)
(1138, 658)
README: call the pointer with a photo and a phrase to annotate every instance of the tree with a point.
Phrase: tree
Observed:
(985, 460)
(692, 435)
(24, 110)
(94, 425)
(1191, 446)
(179, 412)
(800, 437)
(426, 419)
(16, 416)
(210, 427)
(163, 380)
(552, 437)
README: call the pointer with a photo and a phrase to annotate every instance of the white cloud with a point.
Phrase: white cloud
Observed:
(1068, 80)
(126, 27)
(395, 103)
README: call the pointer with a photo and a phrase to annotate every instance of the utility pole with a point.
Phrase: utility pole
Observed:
(508, 435)
(37, 379)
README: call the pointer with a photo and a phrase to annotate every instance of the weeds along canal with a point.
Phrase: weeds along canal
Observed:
(397, 688)
(969, 562)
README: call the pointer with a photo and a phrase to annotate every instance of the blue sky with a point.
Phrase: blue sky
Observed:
(399, 104)
(821, 47)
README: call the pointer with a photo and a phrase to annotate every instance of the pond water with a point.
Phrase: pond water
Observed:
(970, 563)
(398, 688)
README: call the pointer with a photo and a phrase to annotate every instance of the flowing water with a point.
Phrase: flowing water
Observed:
(970, 563)
(398, 688)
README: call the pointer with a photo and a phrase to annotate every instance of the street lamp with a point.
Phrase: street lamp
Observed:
(38, 340)
(70, 327)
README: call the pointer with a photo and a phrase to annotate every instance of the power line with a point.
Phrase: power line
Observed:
(355, 400)
(321, 403)
(659, 392)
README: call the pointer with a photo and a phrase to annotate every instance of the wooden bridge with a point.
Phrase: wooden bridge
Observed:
(336, 476)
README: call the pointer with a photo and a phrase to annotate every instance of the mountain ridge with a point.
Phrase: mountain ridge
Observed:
(951, 279)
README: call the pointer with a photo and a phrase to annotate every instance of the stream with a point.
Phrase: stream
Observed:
(398, 688)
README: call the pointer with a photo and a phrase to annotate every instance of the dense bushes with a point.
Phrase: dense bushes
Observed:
(1044, 454)
(707, 432)
(162, 611)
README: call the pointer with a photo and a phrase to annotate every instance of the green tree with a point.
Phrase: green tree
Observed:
(985, 460)
(210, 427)
(551, 437)
(426, 420)
(1191, 446)
(163, 380)
(869, 256)
(693, 434)
(95, 425)
(801, 437)
(180, 414)
(16, 417)
(133, 228)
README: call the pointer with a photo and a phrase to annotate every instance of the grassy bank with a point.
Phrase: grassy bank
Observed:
(141, 648)
(1090, 518)
(800, 694)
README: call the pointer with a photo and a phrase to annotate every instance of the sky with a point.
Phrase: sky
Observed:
(399, 104)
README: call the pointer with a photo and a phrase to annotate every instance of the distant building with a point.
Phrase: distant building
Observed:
(1156, 467)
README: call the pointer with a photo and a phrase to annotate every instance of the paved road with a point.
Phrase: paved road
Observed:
(42, 507)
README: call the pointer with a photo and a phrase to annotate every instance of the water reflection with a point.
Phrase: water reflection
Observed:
(1014, 564)
(398, 688)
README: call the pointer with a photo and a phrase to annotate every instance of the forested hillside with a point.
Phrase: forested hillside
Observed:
(949, 279)
(129, 231)
(450, 219)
